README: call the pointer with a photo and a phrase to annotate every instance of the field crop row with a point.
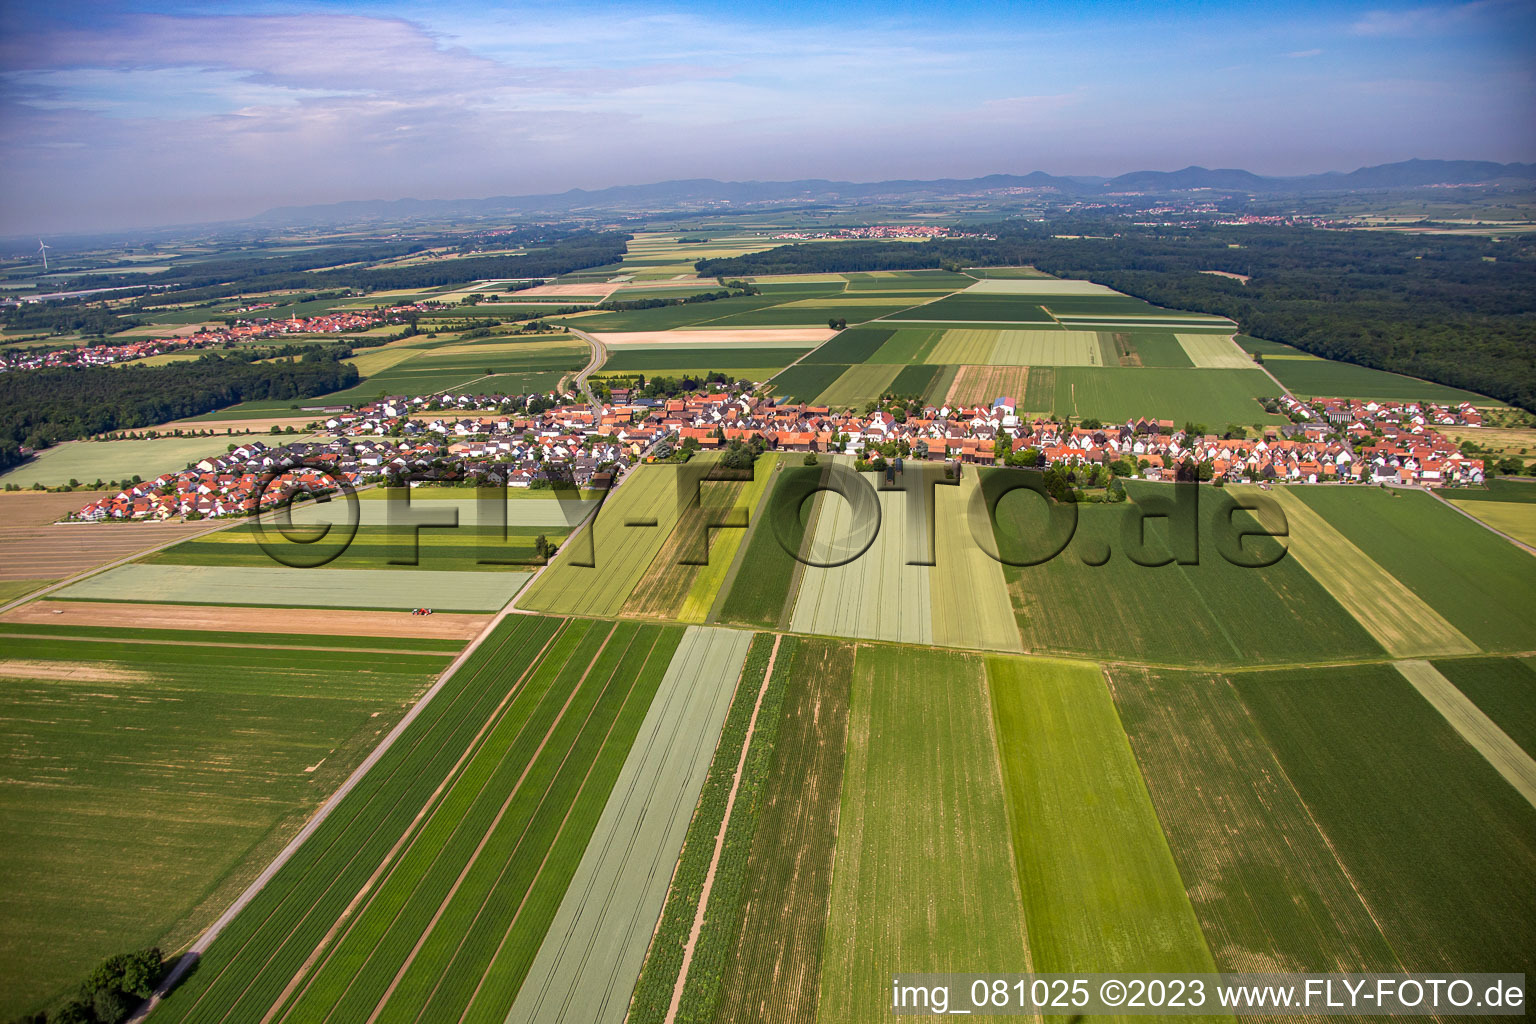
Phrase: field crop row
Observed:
(428, 891)
(923, 874)
(772, 946)
(586, 967)
(664, 960)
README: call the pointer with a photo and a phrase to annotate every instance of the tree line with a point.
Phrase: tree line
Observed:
(41, 407)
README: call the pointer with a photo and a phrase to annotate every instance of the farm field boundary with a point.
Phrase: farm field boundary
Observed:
(1400, 620)
(1475, 727)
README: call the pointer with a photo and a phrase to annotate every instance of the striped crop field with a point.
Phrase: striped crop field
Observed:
(1397, 617)
(1214, 351)
(585, 969)
(427, 892)
(923, 875)
(761, 591)
(1479, 582)
(969, 593)
(1078, 604)
(1101, 889)
(860, 383)
(725, 546)
(1051, 348)
(675, 584)
(983, 385)
(773, 969)
(877, 595)
(285, 587)
(714, 848)
(169, 765)
(617, 546)
(1432, 837)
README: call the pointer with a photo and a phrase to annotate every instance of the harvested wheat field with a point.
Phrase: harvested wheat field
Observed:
(306, 622)
(781, 336)
(979, 385)
(581, 288)
(41, 550)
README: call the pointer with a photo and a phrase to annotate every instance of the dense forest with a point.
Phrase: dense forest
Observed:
(40, 407)
(1452, 309)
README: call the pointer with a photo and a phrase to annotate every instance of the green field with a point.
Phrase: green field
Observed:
(586, 967)
(906, 346)
(431, 887)
(1482, 584)
(1268, 890)
(1101, 890)
(1210, 613)
(979, 308)
(88, 461)
(148, 782)
(463, 549)
(519, 367)
(1117, 394)
(817, 313)
(698, 358)
(773, 948)
(1428, 832)
(761, 592)
(915, 381)
(285, 587)
(859, 384)
(1311, 376)
(855, 345)
(124, 635)
(804, 381)
(1503, 688)
(923, 874)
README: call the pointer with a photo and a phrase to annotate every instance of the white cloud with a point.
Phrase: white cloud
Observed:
(1418, 21)
(1303, 54)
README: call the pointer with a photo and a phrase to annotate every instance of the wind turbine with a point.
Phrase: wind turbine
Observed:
(43, 248)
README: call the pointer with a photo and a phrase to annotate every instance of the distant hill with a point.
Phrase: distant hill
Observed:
(712, 194)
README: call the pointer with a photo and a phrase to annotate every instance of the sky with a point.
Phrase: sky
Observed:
(151, 112)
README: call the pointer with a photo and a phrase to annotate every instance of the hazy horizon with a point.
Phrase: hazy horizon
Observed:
(159, 113)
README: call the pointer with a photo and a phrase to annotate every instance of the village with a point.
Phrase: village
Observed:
(244, 330)
(498, 440)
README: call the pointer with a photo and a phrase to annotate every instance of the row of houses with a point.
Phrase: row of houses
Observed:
(1341, 411)
(515, 440)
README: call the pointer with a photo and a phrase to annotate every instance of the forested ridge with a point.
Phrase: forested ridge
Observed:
(1456, 310)
(41, 407)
